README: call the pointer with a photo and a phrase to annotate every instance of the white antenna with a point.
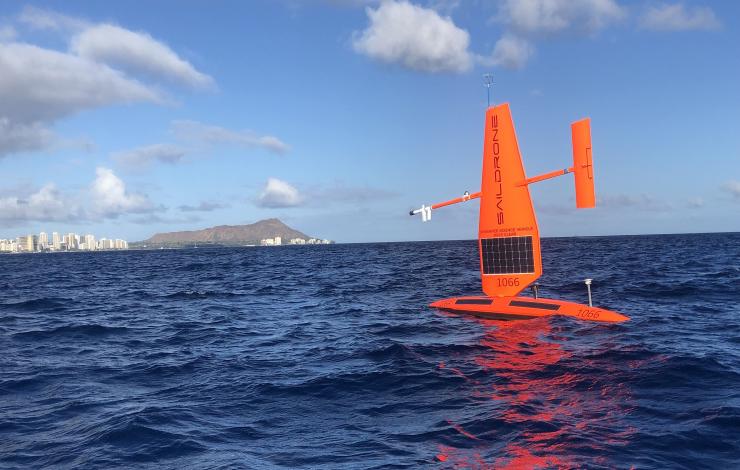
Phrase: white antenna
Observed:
(487, 82)
(588, 286)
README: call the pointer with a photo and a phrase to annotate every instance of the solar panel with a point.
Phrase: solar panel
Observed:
(507, 255)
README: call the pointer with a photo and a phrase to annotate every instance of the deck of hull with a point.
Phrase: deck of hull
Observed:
(522, 308)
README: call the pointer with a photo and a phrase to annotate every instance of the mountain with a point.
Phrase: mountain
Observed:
(228, 234)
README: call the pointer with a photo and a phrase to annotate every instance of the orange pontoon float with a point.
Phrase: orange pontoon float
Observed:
(508, 237)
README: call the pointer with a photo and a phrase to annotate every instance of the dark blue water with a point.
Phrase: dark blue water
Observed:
(326, 357)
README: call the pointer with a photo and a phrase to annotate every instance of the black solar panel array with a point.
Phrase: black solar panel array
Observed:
(507, 255)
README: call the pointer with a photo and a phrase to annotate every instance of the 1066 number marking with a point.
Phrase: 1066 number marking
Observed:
(508, 282)
(588, 313)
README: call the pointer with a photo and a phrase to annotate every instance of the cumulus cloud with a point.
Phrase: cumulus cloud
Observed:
(142, 157)
(279, 194)
(136, 51)
(193, 130)
(110, 198)
(105, 198)
(677, 17)
(554, 16)
(39, 86)
(415, 37)
(510, 52)
(204, 206)
(732, 187)
(46, 204)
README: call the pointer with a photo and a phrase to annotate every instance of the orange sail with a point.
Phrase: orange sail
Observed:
(508, 237)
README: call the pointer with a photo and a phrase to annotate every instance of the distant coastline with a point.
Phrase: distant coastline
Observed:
(60, 243)
(268, 232)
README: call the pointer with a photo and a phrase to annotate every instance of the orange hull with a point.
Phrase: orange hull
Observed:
(522, 308)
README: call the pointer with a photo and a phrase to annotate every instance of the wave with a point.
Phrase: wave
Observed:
(200, 294)
(52, 304)
(75, 331)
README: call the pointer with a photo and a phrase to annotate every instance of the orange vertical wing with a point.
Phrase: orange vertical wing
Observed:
(583, 166)
(508, 238)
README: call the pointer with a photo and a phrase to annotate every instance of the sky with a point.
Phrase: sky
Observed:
(123, 119)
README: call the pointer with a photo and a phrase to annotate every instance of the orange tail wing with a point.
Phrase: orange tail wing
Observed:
(508, 237)
(583, 165)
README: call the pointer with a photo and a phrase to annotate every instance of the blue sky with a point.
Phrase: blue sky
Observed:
(123, 120)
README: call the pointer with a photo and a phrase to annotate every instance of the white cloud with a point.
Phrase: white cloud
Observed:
(39, 86)
(106, 197)
(42, 84)
(193, 130)
(417, 38)
(732, 187)
(643, 202)
(110, 198)
(142, 157)
(45, 204)
(39, 18)
(278, 193)
(17, 137)
(135, 51)
(117, 46)
(511, 52)
(677, 17)
(204, 206)
(554, 16)
(695, 203)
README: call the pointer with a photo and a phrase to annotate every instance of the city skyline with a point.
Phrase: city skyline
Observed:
(338, 117)
(41, 242)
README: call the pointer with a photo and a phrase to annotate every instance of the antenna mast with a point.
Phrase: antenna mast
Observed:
(487, 82)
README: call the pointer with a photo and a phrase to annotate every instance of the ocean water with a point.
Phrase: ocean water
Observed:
(327, 357)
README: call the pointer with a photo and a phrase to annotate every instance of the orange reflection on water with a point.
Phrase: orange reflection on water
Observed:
(548, 411)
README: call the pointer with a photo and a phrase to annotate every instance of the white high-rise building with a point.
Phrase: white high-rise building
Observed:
(278, 241)
(27, 243)
(43, 241)
(72, 243)
(56, 241)
(90, 242)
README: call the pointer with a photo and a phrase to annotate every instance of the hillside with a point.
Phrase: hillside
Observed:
(227, 234)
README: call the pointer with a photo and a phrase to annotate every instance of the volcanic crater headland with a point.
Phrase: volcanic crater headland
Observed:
(227, 235)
